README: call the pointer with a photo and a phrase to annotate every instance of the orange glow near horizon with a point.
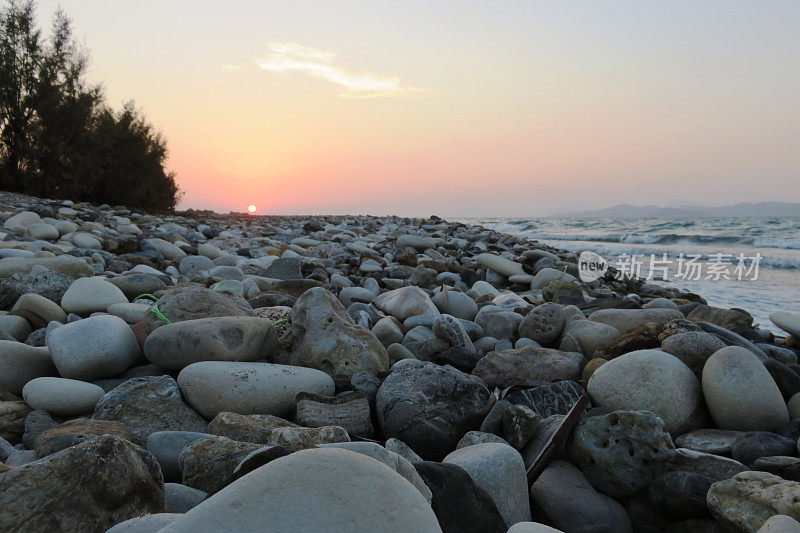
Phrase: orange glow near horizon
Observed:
(457, 108)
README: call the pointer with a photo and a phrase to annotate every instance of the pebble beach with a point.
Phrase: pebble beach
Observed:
(199, 372)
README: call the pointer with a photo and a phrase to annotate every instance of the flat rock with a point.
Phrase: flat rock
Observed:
(529, 366)
(625, 320)
(60, 396)
(349, 410)
(90, 295)
(500, 264)
(212, 387)
(788, 322)
(716, 441)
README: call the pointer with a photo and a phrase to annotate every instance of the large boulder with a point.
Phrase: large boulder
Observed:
(212, 387)
(740, 393)
(621, 452)
(180, 344)
(746, 501)
(648, 380)
(88, 487)
(146, 405)
(323, 489)
(529, 366)
(93, 348)
(499, 470)
(326, 338)
(429, 407)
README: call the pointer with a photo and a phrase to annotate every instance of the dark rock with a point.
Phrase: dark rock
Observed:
(543, 324)
(681, 494)
(75, 431)
(749, 447)
(783, 466)
(429, 407)
(459, 504)
(284, 268)
(550, 399)
(788, 380)
(349, 410)
(166, 447)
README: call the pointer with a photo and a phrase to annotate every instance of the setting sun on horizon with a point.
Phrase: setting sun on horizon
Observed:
(457, 108)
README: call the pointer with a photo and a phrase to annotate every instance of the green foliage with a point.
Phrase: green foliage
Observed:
(57, 136)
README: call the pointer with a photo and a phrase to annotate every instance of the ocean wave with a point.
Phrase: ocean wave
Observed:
(672, 238)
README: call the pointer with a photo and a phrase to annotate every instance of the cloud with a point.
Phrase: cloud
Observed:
(295, 57)
(231, 67)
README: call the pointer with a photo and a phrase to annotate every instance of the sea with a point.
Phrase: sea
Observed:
(750, 263)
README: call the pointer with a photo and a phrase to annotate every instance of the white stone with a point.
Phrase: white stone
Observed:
(130, 312)
(170, 251)
(21, 220)
(93, 348)
(40, 230)
(324, 489)
(500, 264)
(546, 275)
(648, 380)
(90, 295)
(85, 240)
(500, 471)
(740, 393)
(62, 397)
(405, 302)
(625, 320)
(787, 322)
(16, 326)
(212, 387)
(40, 306)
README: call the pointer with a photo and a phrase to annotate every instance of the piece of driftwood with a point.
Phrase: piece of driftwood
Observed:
(557, 438)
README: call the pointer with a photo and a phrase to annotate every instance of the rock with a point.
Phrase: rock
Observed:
(499, 470)
(338, 484)
(740, 393)
(716, 441)
(780, 465)
(62, 397)
(394, 461)
(36, 422)
(146, 405)
(166, 447)
(247, 428)
(472, 438)
(563, 292)
(401, 448)
(73, 267)
(693, 348)
(151, 523)
(787, 380)
(780, 524)
(189, 302)
(642, 337)
(387, 331)
(648, 380)
(415, 241)
(625, 320)
(208, 463)
(212, 387)
(51, 285)
(532, 527)
(90, 295)
(520, 424)
(621, 452)
(546, 275)
(746, 501)
(787, 322)
(405, 302)
(455, 303)
(586, 336)
(498, 322)
(12, 420)
(308, 436)
(20, 363)
(543, 324)
(135, 284)
(177, 345)
(549, 399)
(38, 310)
(180, 498)
(89, 487)
(130, 313)
(750, 446)
(528, 366)
(459, 503)
(501, 265)
(326, 338)
(730, 319)
(449, 328)
(194, 264)
(794, 406)
(170, 251)
(429, 407)
(714, 466)
(93, 348)
(681, 494)
(572, 504)
(349, 410)
(75, 431)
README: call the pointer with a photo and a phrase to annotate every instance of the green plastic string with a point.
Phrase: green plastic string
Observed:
(281, 321)
(154, 308)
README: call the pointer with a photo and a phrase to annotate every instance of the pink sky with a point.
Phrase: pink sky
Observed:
(458, 108)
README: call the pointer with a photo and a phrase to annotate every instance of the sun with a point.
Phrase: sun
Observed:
(251, 208)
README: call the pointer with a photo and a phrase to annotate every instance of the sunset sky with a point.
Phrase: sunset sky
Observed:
(458, 108)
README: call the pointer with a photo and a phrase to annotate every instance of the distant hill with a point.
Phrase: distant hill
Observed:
(745, 209)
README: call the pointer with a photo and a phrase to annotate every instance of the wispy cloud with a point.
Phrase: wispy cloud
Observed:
(231, 67)
(295, 57)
